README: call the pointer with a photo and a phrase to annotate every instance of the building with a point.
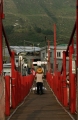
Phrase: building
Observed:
(32, 54)
(59, 56)
(29, 53)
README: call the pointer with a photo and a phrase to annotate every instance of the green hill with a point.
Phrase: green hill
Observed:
(32, 20)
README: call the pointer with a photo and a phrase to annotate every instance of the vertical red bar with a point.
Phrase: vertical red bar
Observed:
(19, 90)
(54, 48)
(23, 86)
(19, 82)
(13, 79)
(56, 84)
(59, 81)
(70, 76)
(27, 84)
(1, 56)
(53, 82)
(61, 90)
(64, 79)
(77, 33)
(72, 85)
(77, 52)
(70, 73)
(21, 95)
(7, 95)
(73, 46)
(16, 88)
(73, 94)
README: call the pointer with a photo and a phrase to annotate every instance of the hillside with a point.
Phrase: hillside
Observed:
(32, 20)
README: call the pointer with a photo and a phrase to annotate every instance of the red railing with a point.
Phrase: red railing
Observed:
(17, 86)
(65, 93)
(65, 90)
(16, 89)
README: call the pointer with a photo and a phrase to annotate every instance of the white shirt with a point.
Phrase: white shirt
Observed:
(39, 77)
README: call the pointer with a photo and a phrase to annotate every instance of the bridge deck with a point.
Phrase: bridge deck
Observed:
(41, 107)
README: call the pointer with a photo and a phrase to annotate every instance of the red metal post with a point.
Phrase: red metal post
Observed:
(1, 56)
(61, 89)
(13, 80)
(77, 52)
(72, 85)
(54, 48)
(70, 73)
(73, 46)
(6, 40)
(22, 87)
(16, 87)
(73, 94)
(59, 85)
(19, 87)
(64, 79)
(77, 35)
(59, 82)
(7, 95)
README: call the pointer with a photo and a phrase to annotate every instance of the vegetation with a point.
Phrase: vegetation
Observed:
(32, 20)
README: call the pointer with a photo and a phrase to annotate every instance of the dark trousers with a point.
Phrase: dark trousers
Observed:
(39, 87)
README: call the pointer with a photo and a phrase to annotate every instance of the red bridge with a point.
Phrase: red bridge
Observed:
(58, 102)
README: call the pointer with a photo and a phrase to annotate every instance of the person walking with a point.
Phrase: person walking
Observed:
(39, 80)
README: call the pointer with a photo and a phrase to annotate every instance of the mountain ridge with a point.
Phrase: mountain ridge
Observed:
(32, 20)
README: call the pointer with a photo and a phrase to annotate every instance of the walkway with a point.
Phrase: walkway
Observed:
(41, 107)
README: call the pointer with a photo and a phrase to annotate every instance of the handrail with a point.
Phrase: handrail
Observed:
(6, 40)
(71, 39)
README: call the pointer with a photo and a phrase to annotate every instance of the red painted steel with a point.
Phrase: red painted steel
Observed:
(21, 85)
(19, 88)
(71, 39)
(70, 42)
(16, 87)
(73, 94)
(2, 98)
(73, 46)
(59, 85)
(61, 88)
(77, 34)
(13, 80)
(1, 56)
(7, 95)
(72, 85)
(54, 48)
(22, 88)
(70, 73)
(64, 79)
(9, 50)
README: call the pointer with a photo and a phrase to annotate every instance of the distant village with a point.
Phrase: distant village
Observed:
(27, 57)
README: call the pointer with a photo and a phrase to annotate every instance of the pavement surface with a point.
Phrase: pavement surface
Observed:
(41, 107)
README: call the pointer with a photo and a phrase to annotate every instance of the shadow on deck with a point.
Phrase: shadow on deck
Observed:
(41, 107)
